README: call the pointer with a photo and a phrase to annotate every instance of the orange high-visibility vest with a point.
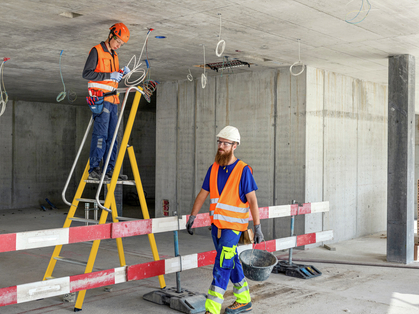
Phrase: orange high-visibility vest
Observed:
(227, 211)
(108, 64)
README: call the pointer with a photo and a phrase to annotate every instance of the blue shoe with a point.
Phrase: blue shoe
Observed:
(238, 308)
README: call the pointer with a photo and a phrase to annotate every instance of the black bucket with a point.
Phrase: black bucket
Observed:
(257, 264)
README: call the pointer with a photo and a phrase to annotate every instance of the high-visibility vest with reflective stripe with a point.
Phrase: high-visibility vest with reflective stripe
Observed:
(227, 211)
(107, 64)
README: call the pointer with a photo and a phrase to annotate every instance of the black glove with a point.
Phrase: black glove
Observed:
(258, 234)
(190, 223)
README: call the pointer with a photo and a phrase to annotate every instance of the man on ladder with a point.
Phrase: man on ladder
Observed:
(102, 71)
(232, 189)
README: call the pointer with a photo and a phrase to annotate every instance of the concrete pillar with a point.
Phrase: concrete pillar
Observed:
(401, 158)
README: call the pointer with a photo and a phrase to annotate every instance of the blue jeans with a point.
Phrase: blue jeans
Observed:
(103, 131)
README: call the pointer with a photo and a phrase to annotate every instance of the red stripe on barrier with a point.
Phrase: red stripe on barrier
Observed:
(263, 212)
(305, 239)
(146, 270)
(8, 296)
(294, 209)
(270, 246)
(92, 280)
(300, 210)
(131, 228)
(7, 242)
(201, 220)
(88, 233)
(206, 258)
(305, 209)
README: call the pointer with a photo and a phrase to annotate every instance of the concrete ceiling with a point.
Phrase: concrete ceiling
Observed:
(262, 32)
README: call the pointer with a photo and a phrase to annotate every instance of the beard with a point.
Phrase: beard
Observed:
(223, 158)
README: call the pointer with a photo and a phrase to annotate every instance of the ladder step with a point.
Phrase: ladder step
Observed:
(127, 218)
(69, 260)
(84, 220)
(89, 200)
(124, 182)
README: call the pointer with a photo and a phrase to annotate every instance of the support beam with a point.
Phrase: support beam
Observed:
(401, 158)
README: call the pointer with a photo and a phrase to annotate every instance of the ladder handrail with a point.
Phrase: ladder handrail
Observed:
(99, 189)
(75, 162)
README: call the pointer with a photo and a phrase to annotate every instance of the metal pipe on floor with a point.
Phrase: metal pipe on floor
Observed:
(350, 263)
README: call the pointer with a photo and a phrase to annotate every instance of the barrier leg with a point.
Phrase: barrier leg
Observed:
(295, 270)
(181, 300)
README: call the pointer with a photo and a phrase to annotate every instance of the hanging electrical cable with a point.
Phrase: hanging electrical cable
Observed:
(189, 76)
(72, 96)
(137, 67)
(61, 95)
(221, 43)
(203, 75)
(357, 13)
(4, 98)
(297, 63)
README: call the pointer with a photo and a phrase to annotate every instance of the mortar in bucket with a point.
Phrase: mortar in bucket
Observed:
(257, 264)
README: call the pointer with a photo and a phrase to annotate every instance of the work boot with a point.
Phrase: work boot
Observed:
(121, 177)
(96, 174)
(238, 308)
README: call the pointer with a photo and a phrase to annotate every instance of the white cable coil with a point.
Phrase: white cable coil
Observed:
(203, 75)
(297, 63)
(221, 42)
(136, 68)
(189, 76)
(4, 98)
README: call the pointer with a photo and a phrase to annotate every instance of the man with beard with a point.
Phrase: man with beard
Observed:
(232, 189)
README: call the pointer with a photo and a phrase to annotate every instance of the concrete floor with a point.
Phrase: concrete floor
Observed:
(342, 288)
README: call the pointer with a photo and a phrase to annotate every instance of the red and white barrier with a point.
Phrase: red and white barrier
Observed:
(60, 286)
(51, 237)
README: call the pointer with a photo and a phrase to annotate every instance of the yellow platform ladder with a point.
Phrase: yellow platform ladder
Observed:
(108, 205)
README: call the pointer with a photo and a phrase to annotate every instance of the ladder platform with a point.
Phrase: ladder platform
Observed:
(78, 219)
(126, 218)
(89, 200)
(69, 260)
(124, 182)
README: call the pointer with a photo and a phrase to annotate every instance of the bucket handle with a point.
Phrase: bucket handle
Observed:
(253, 248)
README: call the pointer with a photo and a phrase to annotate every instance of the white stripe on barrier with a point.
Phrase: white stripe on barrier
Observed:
(43, 289)
(242, 248)
(319, 207)
(324, 236)
(285, 243)
(172, 265)
(279, 211)
(165, 224)
(120, 274)
(41, 238)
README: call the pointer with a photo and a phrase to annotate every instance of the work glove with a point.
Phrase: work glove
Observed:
(190, 223)
(258, 234)
(116, 76)
(126, 70)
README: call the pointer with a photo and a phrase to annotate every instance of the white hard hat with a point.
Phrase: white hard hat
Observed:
(231, 133)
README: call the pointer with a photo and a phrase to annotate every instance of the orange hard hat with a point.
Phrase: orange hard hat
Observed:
(120, 30)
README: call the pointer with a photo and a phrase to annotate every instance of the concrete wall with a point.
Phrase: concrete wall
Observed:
(318, 136)
(39, 142)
